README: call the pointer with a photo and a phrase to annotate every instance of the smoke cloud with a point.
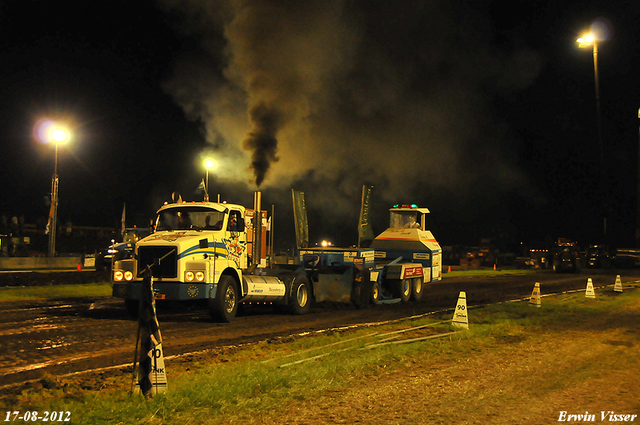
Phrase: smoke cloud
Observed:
(326, 95)
(262, 139)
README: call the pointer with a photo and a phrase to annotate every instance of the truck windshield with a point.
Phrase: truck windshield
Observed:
(405, 220)
(199, 218)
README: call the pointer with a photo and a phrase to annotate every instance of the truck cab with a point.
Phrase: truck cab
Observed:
(215, 252)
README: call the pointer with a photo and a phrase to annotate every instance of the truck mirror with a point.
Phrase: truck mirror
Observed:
(203, 243)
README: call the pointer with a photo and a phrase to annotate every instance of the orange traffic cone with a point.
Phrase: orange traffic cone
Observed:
(79, 267)
(494, 266)
(449, 270)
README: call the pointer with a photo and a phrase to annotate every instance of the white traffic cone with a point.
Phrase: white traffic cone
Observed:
(536, 299)
(590, 293)
(460, 318)
(618, 286)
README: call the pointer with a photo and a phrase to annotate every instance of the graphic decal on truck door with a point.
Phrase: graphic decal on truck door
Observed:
(235, 247)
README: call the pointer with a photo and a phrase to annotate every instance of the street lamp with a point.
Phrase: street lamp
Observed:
(207, 164)
(590, 40)
(56, 135)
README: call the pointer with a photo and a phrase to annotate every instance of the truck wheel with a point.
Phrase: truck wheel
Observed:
(299, 299)
(402, 289)
(225, 305)
(375, 292)
(132, 307)
(417, 287)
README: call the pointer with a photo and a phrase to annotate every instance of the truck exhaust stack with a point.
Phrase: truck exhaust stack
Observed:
(257, 229)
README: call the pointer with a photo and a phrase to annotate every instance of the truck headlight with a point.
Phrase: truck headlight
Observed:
(128, 276)
(118, 275)
(190, 276)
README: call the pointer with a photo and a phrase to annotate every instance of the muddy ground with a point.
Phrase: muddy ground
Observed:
(65, 336)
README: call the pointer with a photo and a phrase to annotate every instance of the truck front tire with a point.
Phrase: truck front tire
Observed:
(225, 305)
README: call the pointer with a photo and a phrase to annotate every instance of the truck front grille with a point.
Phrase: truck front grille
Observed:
(163, 261)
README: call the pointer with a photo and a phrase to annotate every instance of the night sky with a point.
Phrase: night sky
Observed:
(482, 111)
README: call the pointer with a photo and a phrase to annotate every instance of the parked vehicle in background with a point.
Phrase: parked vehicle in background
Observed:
(567, 257)
(598, 257)
(122, 250)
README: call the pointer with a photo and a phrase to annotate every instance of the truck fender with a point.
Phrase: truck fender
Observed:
(242, 285)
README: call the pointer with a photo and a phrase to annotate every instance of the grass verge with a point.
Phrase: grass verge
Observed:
(516, 364)
(13, 293)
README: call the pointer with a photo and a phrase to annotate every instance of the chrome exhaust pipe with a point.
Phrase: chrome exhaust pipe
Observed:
(257, 229)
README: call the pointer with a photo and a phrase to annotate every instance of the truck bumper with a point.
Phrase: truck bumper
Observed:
(172, 291)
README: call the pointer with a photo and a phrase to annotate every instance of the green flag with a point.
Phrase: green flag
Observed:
(300, 217)
(365, 232)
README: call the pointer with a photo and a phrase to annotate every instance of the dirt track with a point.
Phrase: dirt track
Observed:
(73, 335)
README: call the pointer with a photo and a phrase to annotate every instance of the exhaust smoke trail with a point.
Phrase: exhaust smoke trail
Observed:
(324, 95)
(262, 140)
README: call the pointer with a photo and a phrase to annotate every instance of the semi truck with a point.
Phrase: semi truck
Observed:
(216, 253)
(213, 252)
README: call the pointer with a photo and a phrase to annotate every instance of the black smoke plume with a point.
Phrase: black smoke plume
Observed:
(262, 139)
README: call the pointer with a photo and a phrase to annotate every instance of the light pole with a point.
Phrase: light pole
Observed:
(638, 188)
(207, 164)
(57, 136)
(586, 41)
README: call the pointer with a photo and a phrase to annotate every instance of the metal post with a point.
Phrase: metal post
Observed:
(599, 118)
(54, 201)
(271, 228)
(206, 188)
(603, 186)
(638, 198)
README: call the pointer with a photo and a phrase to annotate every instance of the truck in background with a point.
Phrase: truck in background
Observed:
(121, 250)
(567, 257)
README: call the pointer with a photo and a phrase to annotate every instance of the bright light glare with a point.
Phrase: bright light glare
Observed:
(46, 131)
(586, 40)
(209, 163)
(59, 135)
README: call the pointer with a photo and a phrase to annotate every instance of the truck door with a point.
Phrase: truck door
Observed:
(236, 239)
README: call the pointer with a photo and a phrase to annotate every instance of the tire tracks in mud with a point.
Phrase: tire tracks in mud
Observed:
(91, 336)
